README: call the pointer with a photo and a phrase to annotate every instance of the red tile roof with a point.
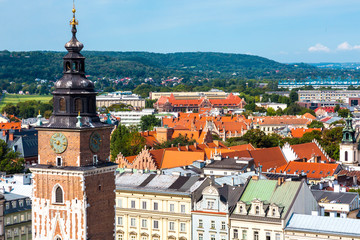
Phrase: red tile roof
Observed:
(312, 170)
(299, 132)
(309, 150)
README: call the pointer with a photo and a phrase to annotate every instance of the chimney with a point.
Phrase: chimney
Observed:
(280, 181)
(11, 136)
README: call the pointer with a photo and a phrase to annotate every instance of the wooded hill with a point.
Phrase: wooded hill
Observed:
(26, 66)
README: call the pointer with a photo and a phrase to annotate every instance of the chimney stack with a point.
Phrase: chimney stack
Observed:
(11, 136)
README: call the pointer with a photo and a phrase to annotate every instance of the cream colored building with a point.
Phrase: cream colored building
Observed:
(189, 95)
(154, 207)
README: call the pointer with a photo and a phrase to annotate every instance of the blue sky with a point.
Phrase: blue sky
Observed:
(283, 30)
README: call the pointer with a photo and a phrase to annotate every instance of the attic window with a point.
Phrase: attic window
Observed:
(321, 172)
(289, 170)
(307, 171)
(313, 171)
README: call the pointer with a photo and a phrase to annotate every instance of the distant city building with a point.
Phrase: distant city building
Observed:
(274, 106)
(119, 97)
(181, 104)
(213, 93)
(341, 96)
(131, 118)
(319, 83)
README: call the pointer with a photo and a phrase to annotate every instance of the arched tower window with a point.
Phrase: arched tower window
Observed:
(68, 66)
(78, 105)
(57, 238)
(59, 195)
(75, 67)
(346, 155)
(62, 105)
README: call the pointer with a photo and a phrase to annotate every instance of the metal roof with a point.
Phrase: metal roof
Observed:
(334, 197)
(327, 225)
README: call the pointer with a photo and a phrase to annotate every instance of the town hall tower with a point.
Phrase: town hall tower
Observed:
(74, 181)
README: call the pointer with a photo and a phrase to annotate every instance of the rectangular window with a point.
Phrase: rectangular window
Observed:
(132, 203)
(172, 207)
(7, 206)
(268, 236)
(144, 205)
(212, 224)
(235, 233)
(256, 235)
(144, 223)
(201, 236)
(244, 234)
(200, 223)
(277, 236)
(156, 206)
(16, 231)
(210, 205)
(29, 216)
(156, 224)
(13, 203)
(171, 226)
(16, 219)
(120, 221)
(22, 218)
(8, 220)
(23, 230)
(182, 208)
(223, 225)
(182, 227)
(119, 202)
(8, 233)
(21, 203)
(133, 222)
(212, 237)
(120, 237)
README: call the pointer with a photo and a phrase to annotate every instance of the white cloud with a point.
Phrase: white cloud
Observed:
(318, 48)
(345, 46)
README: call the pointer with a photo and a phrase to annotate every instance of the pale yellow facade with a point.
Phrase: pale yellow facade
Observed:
(152, 216)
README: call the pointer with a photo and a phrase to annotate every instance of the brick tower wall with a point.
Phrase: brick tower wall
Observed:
(100, 190)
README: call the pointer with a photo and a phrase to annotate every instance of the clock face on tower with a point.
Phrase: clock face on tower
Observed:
(95, 142)
(58, 142)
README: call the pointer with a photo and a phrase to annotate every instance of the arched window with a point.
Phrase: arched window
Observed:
(68, 66)
(346, 155)
(59, 195)
(57, 238)
(273, 211)
(78, 105)
(75, 67)
(62, 105)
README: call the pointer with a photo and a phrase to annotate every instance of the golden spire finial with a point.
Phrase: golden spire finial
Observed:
(73, 21)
